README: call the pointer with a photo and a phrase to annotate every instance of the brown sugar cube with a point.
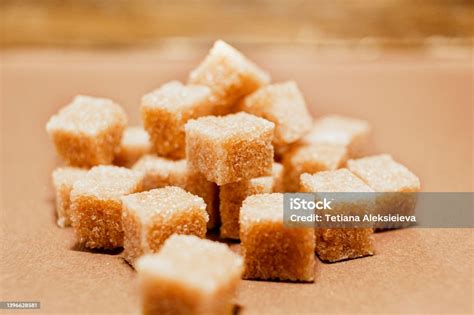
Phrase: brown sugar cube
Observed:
(63, 180)
(284, 105)
(353, 133)
(272, 251)
(198, 185)
(150, 217)
(96, 206)
(229, 75)
(230, 148)
(278, 176)
(166, 110)
(395, 184)
(160, 172)
(189, 275)
(311, 158)
(336, 244)
(232, 195)
(135, 143)
(384, 174)
(87, 132)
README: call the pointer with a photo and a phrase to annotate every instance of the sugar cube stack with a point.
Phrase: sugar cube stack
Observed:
(230, 148)
(272, 251)
(353, 133)
(87, 132)
(284, 105)
(150, 217)
(232, 195)
(134, 144)
(96, 206)
(335, 244)
(205, 159)
(63, 181)
(166, 110)
(311, 158)
(229, 75)
(189, 275)
(395, 184)
(160, 172)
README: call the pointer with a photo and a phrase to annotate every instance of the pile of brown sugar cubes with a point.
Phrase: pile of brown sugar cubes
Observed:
(206, 160)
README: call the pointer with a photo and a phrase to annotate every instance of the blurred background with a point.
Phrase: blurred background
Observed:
(442, 27)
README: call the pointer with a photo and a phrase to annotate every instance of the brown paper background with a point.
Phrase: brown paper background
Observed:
(421, 111)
